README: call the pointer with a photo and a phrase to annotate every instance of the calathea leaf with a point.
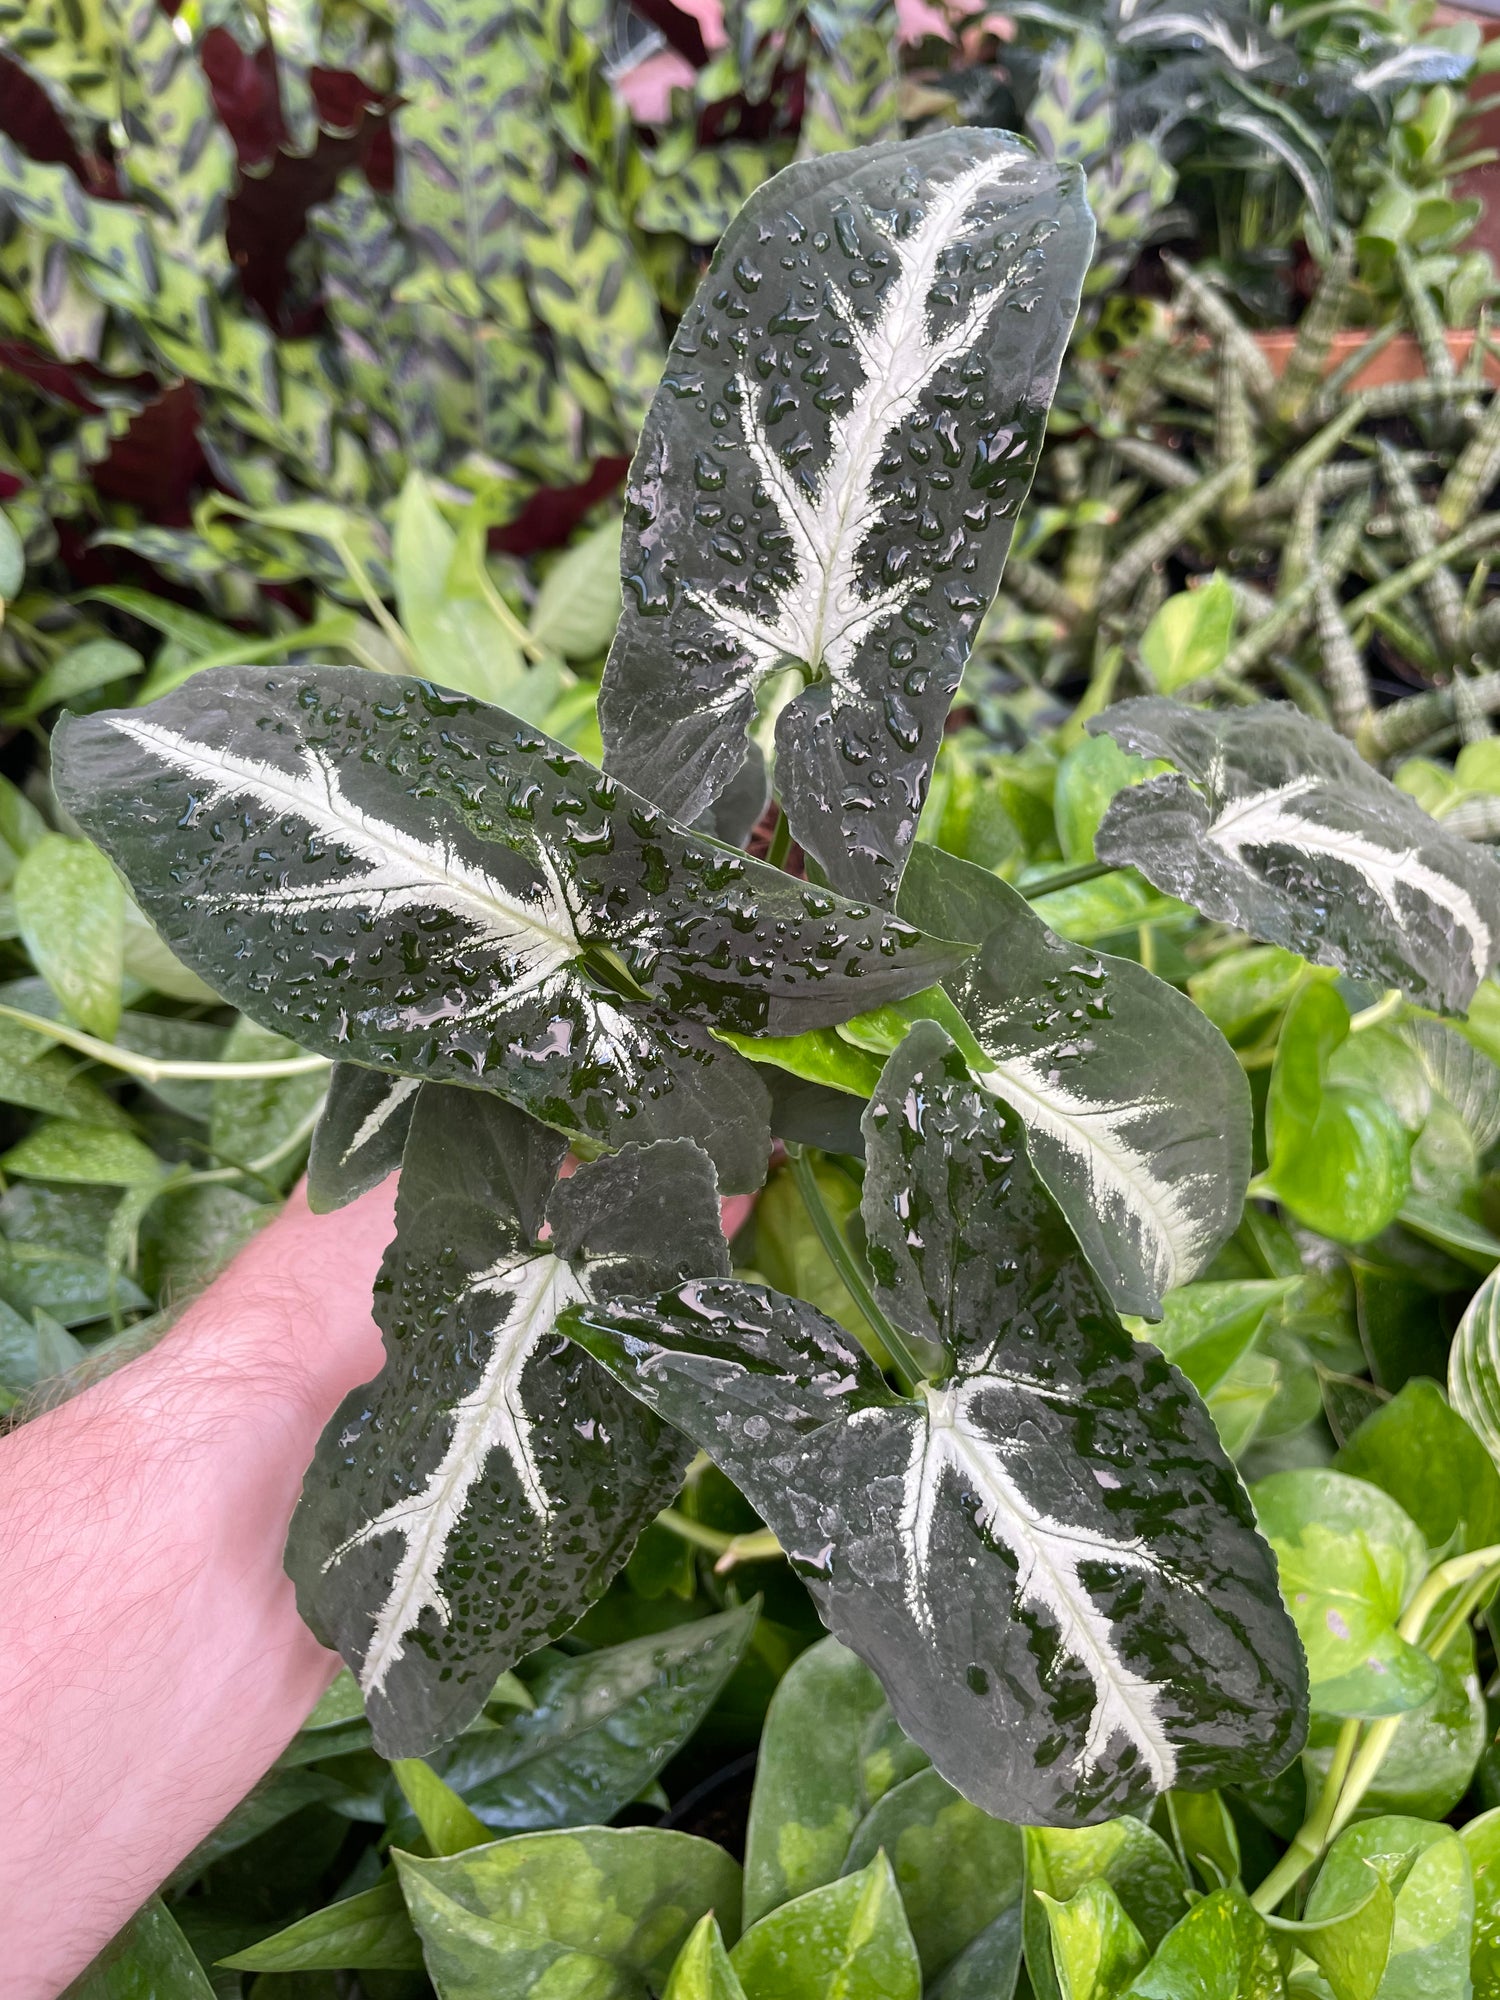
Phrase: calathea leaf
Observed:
(468, 1504)
(829, 476)
(1044, 1554)
(361, 1134)
(1274, 823)
(409, 879)
(1137, 1113)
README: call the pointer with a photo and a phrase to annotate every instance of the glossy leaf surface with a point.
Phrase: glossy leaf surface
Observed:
(1137, 1115)
(361, 1134)
(602, 1911)
(1045, 1556)
(1426, 1457)
(1123, 1856)
(849, 1938)
(469, 1503)
(1275, 824)
(829, 477)
(406, 878)
(1427, 1868)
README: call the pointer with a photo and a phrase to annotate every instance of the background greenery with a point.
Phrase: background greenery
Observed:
(325, 330)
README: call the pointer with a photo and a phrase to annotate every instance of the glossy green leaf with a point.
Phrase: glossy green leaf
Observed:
(1221, 1950)
(1088, 777)
(71, 911)
(1204, 1832)
(447, 1825)
(370, 1932)
(264, 1122)
(470, 1504)
(1351, 1946)
(1339, 1154)
(599, 1729)
(1426, 1457)
(578, 605)
(1427, 1868)
(1349, 1559)
(1122, 1855)
(94, 664)
(1096, 1949)
(859, 309)
(703, 1970)
(1431, 1759)
(1205, 1329)
(603, 1911)
(1481, 1839)
(1189, 636)
(846, 1941)
(149, 1960)
(62, 1149)
(811, 1785)
(961, 1876)
(12, 559)
(1242, 989)
(1273, 823)
(1137, 1115)
(360, 1137)
(445, 893)
(458, 639)
(956, 1606)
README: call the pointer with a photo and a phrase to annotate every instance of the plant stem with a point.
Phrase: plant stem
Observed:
(756, 1545)
(158, 1069)
(834, 1241)
(1086, 871)
(1391, 1002)
(1353, 1771)
(781, 841)
(715, 1540)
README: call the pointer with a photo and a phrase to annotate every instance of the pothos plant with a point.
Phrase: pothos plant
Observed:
(1018, 1515)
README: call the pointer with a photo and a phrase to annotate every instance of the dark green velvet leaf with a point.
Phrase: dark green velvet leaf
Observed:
(469, 1503)
(829, 477)
(1137, 1114)
(1046, 1556)
(409, 879)
(1275, 824)
(360, 1136)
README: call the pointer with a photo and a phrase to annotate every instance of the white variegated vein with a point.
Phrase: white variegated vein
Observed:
(1120, 1178)
(535, 932)
(1049, 1555)
(491, 1417)
(824, 616)
(374, 1122)
(1270, 819)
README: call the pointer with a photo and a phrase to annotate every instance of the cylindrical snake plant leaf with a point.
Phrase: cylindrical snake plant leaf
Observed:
(467, 1505)
(1044, 1553)
(1273, 823)
(409, 879)
(829, 478)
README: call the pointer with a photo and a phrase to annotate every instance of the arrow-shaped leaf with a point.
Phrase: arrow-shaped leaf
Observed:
(1137, 1113)
(415, 881)
(829, 476)
(1045, 1555)
(467, 1505)
(1274, 823)
(361, 1134)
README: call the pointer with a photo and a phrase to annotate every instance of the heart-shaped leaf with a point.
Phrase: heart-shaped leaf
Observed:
(1274, 823)
(409, 879)
(1044, 1555)
(1137, 1114)
(829, 477)
(467, 1505)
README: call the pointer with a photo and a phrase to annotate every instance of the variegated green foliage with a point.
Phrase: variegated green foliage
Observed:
(852, 75)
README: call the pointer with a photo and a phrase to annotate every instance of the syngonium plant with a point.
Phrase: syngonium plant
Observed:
(1019, 1516)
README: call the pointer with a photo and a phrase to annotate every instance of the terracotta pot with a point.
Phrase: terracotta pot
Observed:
(1400, 360)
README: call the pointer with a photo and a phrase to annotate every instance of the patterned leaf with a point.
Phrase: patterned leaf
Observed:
(1474, 1365)
(466, 1506)
(1046, 1556)
(361, 1134)
(177, 158)
(703, 196)
(1137, 1112)
(829, 476)
(1273, 823)
(408, 879)
(853, 75)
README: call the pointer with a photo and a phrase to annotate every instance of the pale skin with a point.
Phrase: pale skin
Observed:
(152, 1663)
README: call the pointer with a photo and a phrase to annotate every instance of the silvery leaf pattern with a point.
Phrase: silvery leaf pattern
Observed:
(1044, 1554)
(1275, 824)
(360, 1137)
(418, 882)
(468, 1504)
(829, 478)
(1137, 1112)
